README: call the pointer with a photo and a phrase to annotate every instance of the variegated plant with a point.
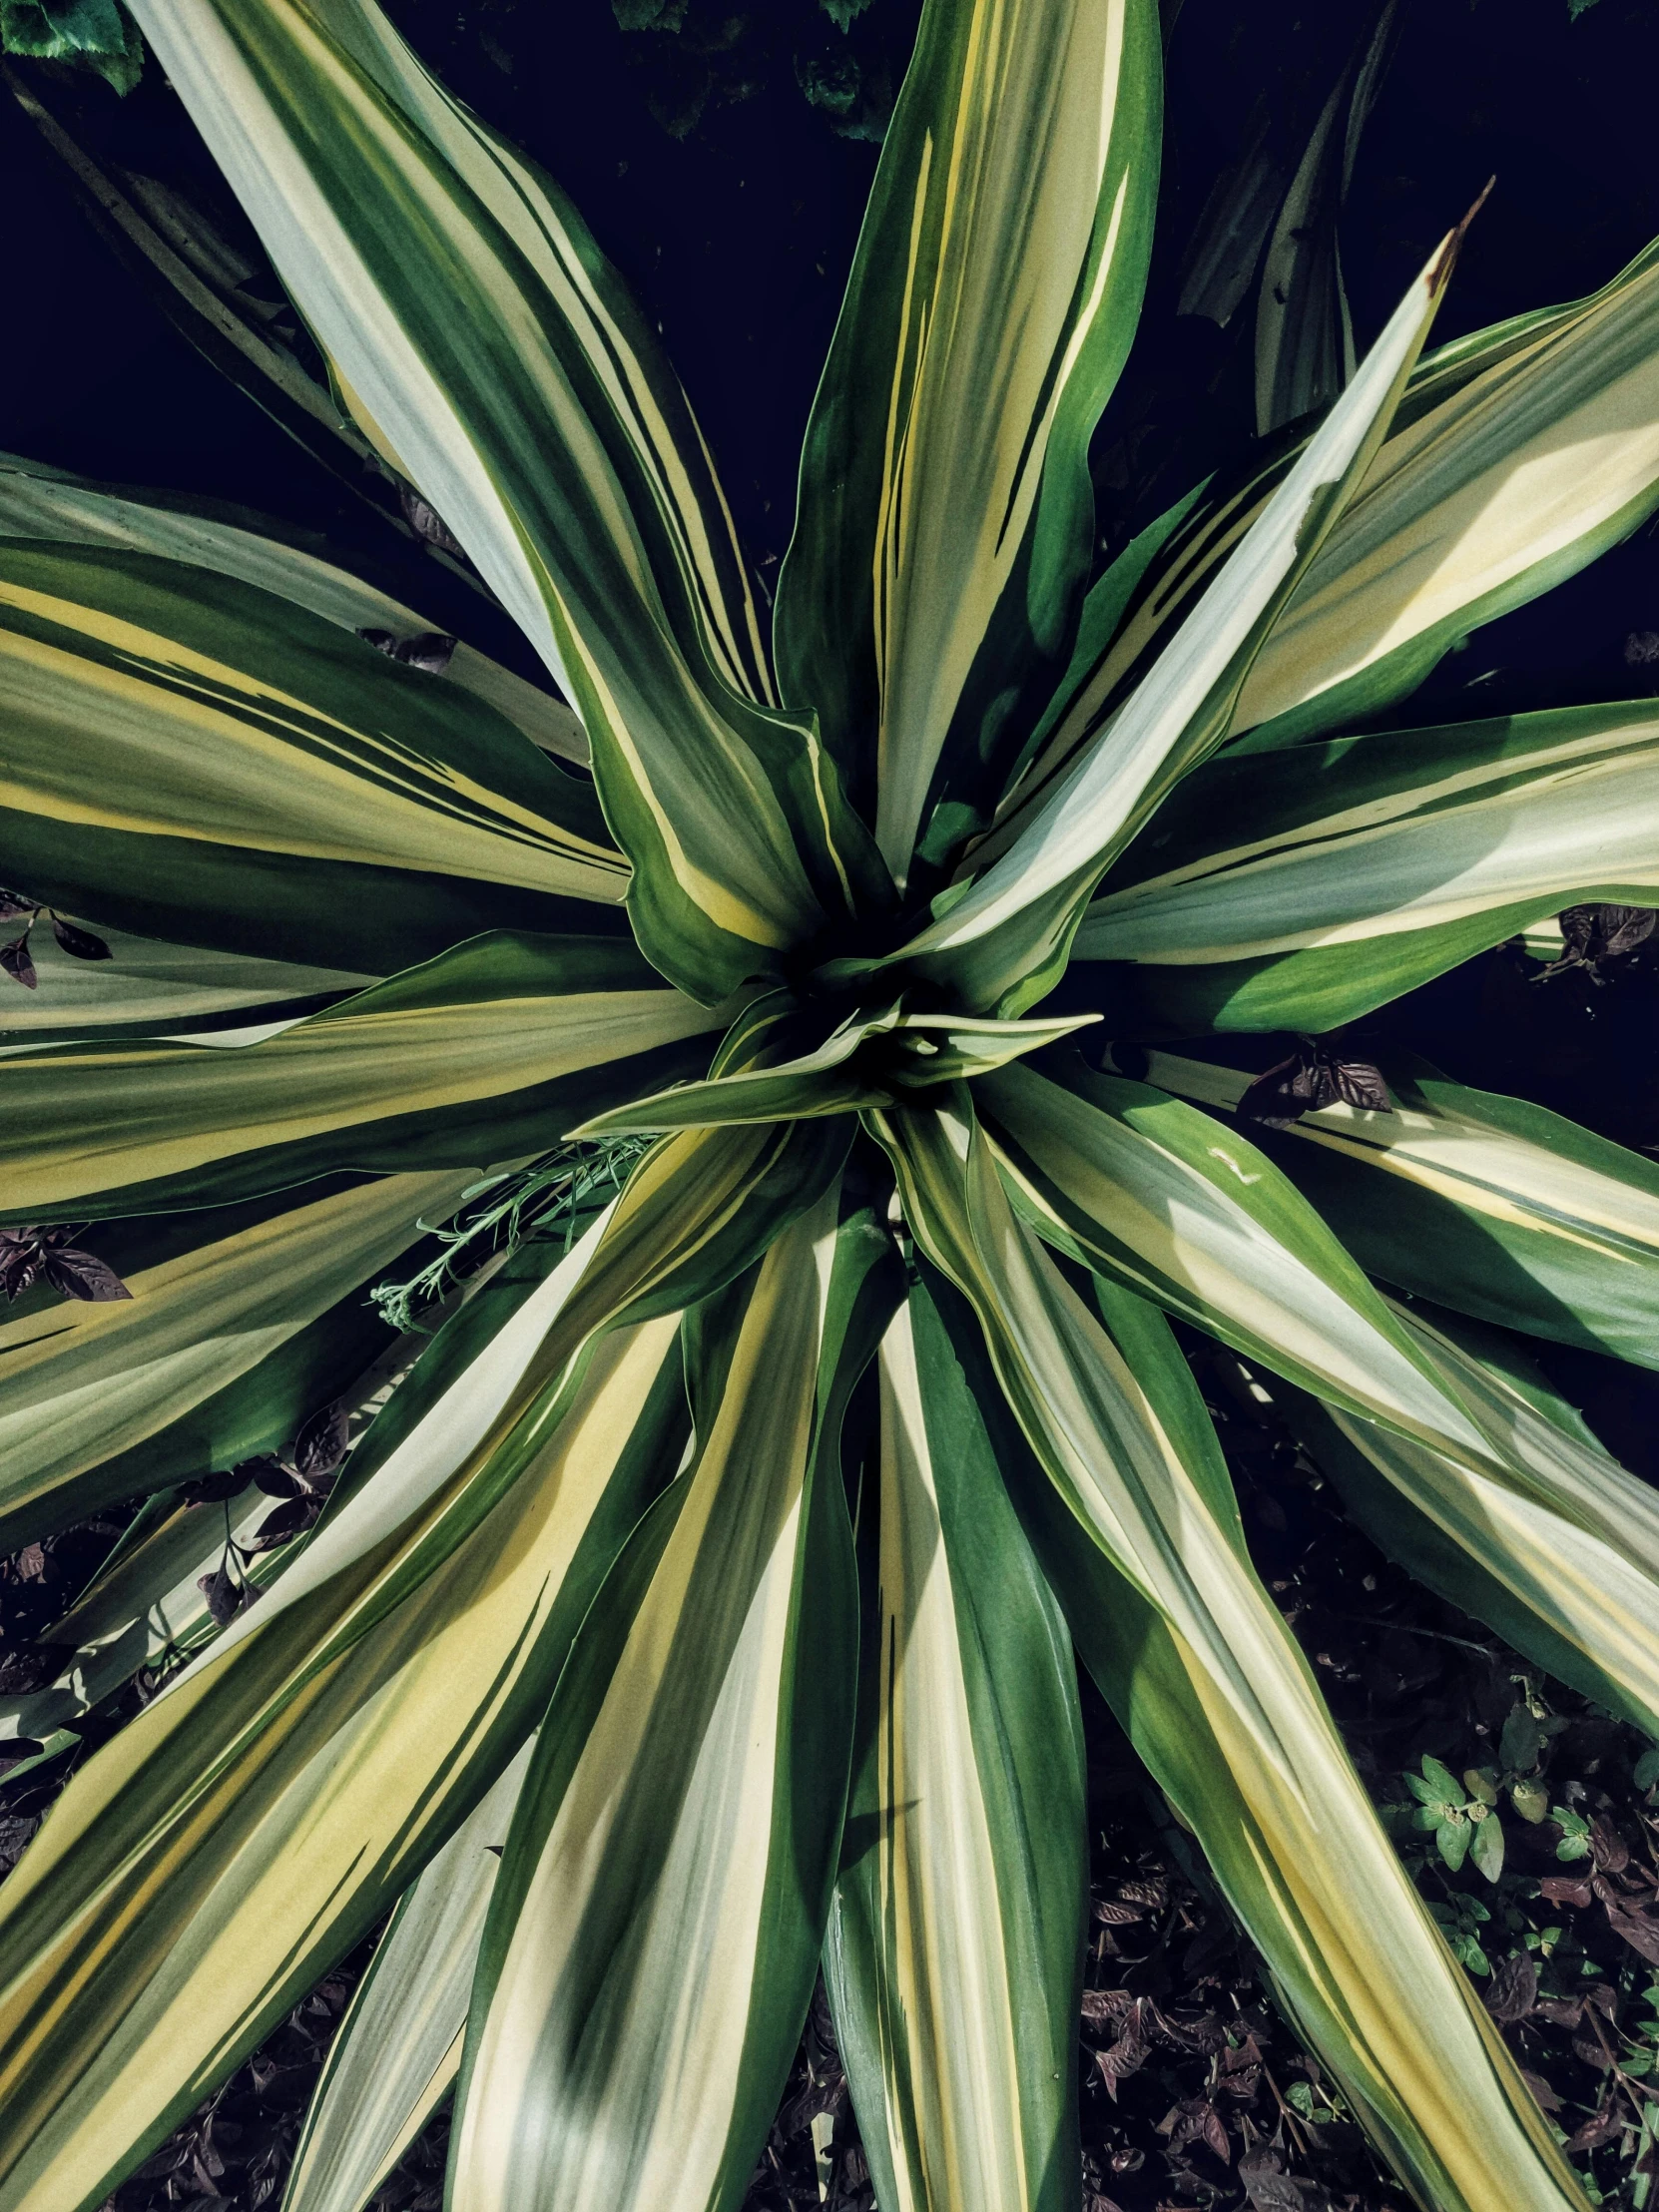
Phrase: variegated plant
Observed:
(726, 1567)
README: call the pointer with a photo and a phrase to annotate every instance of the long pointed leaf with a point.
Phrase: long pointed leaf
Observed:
(1514, 482)
(954, 1946)
(1150, 1193)
(946, 515)
(399, 2048)
(1483, 464)
(296, 1777)
(98, 1400)
(294, 1746)
(487, 1053)
(1298, 891)
(166, 723)
(1576, 1603)
(653, 1937)
(48, 503)
(1002, 936)
(150, 990)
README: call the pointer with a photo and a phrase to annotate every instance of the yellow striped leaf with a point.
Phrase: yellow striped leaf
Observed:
(1577, 1603)
(255, 1819)
(149, 989)
(89, 1393)
(1002, 935)
(1484, 452)
(654, 1933)
(1300, 890)
(48, 503)
(480, 1055)
(1152, 1194)
(171, 726)
(397, 2050)
(1516, 480)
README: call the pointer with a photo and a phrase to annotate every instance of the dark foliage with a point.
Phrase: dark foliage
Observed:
(34, 1254)
(1314, 1075)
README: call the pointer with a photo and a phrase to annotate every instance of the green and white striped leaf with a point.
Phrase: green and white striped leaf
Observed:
(255, 1819)
(487, 1053)
(1218, 514)
(654, 1933)
(98, 1400)
(1516, 482)
(1002, 936)
(493, 356)
(1301, 891)
(1152, 1194)
(399, 2049)
(1491, 1205)
(172, 730)
(955, 1943)
(946, 516)
(146, 1605)
(1130, 1509)
(48, 503)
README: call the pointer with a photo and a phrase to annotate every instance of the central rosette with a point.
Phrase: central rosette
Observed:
(790, 1056)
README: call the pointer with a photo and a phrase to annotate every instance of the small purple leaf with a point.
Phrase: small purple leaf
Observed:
(321, 1444)
(80, 942)
(82, 1275)
(16, 961)
(425, 522)
(432, 650)
(223, 1595)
